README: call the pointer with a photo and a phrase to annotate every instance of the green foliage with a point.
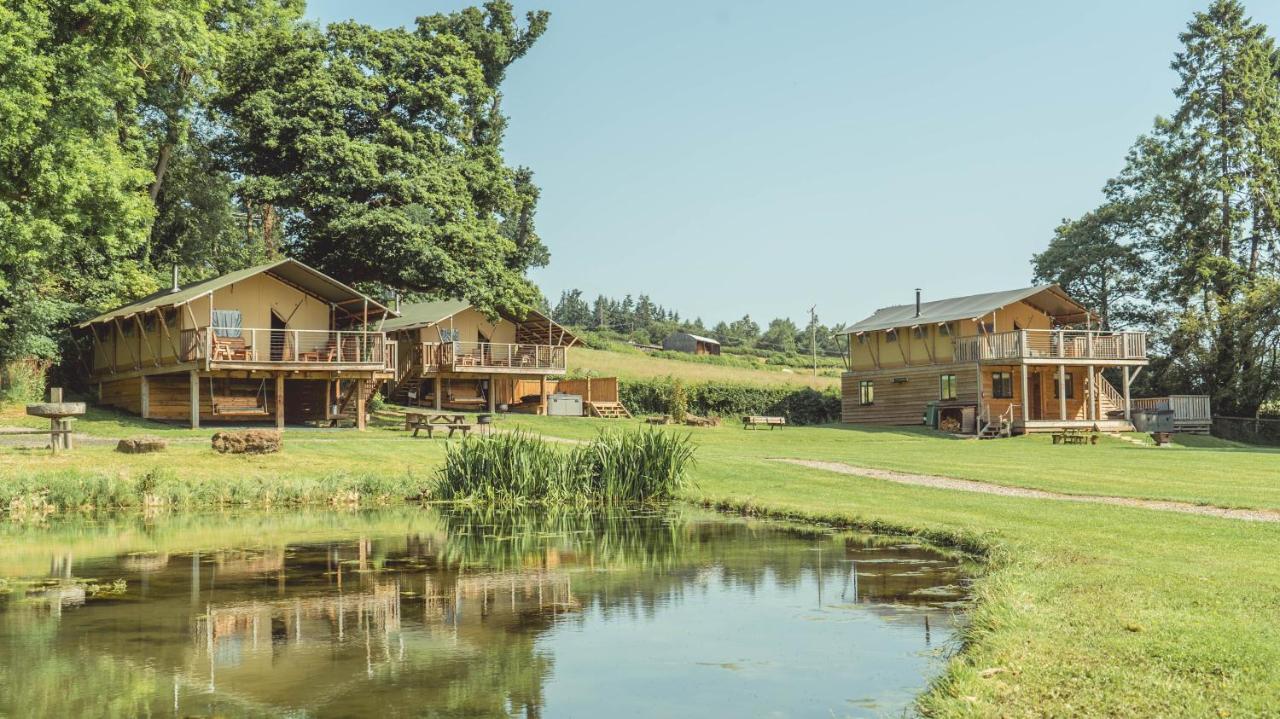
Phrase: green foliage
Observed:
(1087, 258)
(678, 400)
(382, 148)
(798, 405)
(517, 468)
(1198, 201)
(22, 381)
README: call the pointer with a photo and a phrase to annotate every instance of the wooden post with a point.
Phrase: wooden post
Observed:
(145, 390)
(280, 400)
(361, 386)
(195, 399)
(1026, 395)
(1092, 413)
(436, 392)
(493, 389)
(1128, 407)
(542, 394)
(1062, 392)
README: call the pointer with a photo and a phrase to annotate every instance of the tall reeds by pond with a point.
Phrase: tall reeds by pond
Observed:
(522, 468)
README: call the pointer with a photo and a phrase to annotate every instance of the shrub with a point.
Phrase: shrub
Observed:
(803, 405)
(678, 404)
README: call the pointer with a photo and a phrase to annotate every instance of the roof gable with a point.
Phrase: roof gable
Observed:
(289, 271)
(1050, 299)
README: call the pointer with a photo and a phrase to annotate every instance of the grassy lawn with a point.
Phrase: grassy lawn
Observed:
(634, 364)
(1082, 610)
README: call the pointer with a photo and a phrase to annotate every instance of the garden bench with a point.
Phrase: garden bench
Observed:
(753, 421)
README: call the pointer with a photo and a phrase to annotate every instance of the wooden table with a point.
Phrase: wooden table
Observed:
(413, 420)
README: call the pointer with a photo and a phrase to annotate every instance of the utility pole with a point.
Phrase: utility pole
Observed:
(813, 336)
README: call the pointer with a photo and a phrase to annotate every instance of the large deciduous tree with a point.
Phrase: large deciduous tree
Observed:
(381, 149)
(1091, 259)
(1199, 202)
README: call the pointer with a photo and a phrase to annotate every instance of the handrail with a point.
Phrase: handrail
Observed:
(1049, 344)
(253, 345)
(491, 355)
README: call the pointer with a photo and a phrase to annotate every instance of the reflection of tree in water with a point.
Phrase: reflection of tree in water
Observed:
(436, 615)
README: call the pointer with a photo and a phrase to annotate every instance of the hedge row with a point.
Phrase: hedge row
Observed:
(799, 405)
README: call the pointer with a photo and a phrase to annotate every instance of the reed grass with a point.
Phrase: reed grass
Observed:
(520, 468)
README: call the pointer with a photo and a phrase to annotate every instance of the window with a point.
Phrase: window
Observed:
(986, 328)
(866, 392)
(862, 339)
(921, 332)
(944, 329)
(891, 336)
(1071, 386)
(1002, 385)
(947, 386)
(226, 323)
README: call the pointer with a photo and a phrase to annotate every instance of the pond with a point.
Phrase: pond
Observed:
(425, 612)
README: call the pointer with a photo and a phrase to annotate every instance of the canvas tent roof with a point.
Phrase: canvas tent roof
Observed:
(421, 314)
(289, 271)
(1050, 299)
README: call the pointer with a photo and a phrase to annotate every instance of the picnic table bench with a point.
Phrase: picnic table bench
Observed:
(1074, 436)
(431, 421)
(753, 421)
(431, 428)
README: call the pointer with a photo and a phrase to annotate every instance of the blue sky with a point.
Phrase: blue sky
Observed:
(763, 157)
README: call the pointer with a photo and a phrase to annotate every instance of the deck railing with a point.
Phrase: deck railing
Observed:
(266, 346)
(1047, 344)
(463, 356)
(1186, 407)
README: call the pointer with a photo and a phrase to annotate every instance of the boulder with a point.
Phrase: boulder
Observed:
(141, 445)
(252, 441)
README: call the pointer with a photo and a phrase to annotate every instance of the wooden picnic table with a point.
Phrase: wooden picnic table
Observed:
(431, 428)
(1073, 435)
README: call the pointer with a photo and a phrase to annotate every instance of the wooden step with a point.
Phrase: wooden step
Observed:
(608, 410)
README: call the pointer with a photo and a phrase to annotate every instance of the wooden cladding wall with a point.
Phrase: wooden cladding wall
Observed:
(903, 402)
(238, 400)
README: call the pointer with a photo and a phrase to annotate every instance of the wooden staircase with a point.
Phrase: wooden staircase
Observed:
(997, 427)
(347, 402)
(608, 410)
(410, 380)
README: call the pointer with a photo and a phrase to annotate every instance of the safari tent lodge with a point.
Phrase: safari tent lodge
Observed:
(277, 342)
(452, 355)
(993, 364)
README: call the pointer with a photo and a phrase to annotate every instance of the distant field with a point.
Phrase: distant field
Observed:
(638, 365)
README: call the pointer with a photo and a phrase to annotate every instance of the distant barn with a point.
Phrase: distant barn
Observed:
(693, 344)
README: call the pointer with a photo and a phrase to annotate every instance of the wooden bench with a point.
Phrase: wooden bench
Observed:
(230, 348)
(753, 421)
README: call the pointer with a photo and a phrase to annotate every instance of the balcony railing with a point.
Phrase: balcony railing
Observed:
(464, 356)
(1052, 344)
(267, 346)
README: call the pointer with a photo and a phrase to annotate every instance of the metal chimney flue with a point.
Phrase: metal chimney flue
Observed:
(917, 302)
(175, 286)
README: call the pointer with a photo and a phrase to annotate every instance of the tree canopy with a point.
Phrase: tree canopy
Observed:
(214, 134)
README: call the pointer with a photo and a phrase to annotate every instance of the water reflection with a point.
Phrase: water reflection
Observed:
(413, 612)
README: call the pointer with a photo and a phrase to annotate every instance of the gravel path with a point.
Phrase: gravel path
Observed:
(968, 485)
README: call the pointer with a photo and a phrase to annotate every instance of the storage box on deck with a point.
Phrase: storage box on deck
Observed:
(564, 405)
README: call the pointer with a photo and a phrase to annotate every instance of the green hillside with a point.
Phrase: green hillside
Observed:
(634, 364)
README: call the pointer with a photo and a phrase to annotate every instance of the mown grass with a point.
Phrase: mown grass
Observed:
(634, 364)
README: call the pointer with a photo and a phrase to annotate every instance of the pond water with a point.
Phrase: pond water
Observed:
(423, 612)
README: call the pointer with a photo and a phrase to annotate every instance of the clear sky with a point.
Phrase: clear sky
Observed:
(761, 157)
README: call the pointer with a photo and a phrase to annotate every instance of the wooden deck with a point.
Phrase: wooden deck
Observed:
(1054, 425)
(1054, 347)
